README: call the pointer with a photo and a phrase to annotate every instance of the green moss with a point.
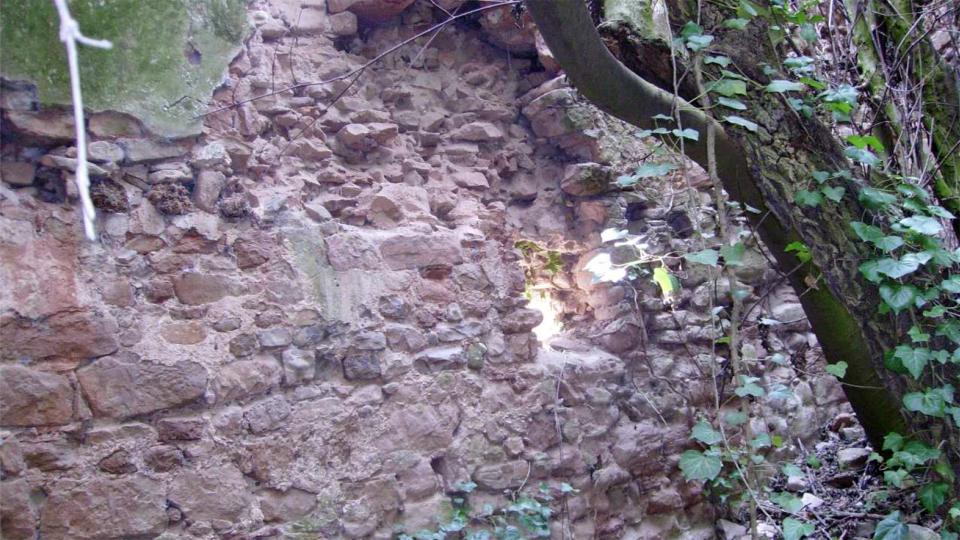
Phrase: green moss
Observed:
(167, 58)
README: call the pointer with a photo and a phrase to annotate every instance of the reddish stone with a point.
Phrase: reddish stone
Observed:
(123, 385)
(34, 398)
(74, 334)
(184, 333)
(195, 289)
(97, 507)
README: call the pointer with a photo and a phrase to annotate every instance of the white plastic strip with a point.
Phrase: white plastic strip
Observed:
(70, 35)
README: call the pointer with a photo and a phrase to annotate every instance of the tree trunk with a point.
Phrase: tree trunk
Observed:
(765, 170)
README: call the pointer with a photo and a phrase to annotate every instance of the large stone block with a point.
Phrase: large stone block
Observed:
(407, 250)
(74, 334)
(97, 508)
(195, 289)
(125, 385)
(34, 398)
(215, 494)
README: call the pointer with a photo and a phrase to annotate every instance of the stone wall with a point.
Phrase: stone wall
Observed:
(313, 323)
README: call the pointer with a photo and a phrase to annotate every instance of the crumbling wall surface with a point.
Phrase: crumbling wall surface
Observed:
(312, 323)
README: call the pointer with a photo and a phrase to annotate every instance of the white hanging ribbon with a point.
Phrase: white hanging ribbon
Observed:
(70, 35)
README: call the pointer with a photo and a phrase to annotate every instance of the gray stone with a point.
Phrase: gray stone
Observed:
(206, 191)
(477, 132)
(852, 458)
(275, 337)
(441, 358)
(287, 505)
(298, 366)
(585, 179)
(521, 320)
(361, 367)
(266, 415)
(216, 493)
(509, 475)
(247, 378)
(369, 341)
(146, 150)
(104, 152)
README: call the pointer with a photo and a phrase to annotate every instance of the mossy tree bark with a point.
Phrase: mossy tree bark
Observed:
(765, 170)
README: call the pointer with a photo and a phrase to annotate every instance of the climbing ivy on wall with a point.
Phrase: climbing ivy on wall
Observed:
(910, 263)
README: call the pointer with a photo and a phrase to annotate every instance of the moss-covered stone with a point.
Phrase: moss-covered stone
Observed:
(167, 56)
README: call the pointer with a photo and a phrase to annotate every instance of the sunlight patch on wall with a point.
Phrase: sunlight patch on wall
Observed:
(542, 301)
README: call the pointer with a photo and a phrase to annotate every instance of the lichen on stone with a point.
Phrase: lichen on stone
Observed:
(147, 73)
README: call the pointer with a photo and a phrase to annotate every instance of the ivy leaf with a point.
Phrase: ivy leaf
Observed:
(749, 387)
(720, 60)
(888, 243)
(736, 24)
(922, 225)
(897, 268)
(687, 133)
(699, 42)
(940, 211)
(729, 87)
(914, 359)
(790, 503)
(789, 469)
(808, 198)
(833, 193)
(949, 329)
(733, 255)
(867, 233)
(735, 418)
(917, 335)
(862, 155)
(780, 86)
(898, 297)
(813, 83)
(820, 176)
(893, 441)
(663, 117)
(742, 122)
(798, 63)
(892, 528)
(895, 477)
(930, 403)
(735, 104)
(803, 252)
(708, 257)
(875, 199)
(863, 141)
(699, 466)
(933, 495)
(869, 271)
(669, 284)
(705, 433)
(794, 529)
(951, 284)
(838, 370)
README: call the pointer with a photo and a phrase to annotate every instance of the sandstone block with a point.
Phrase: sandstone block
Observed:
(409, 250)
(34, 398)
(130, 506)
(125, 385)
(195, 289)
